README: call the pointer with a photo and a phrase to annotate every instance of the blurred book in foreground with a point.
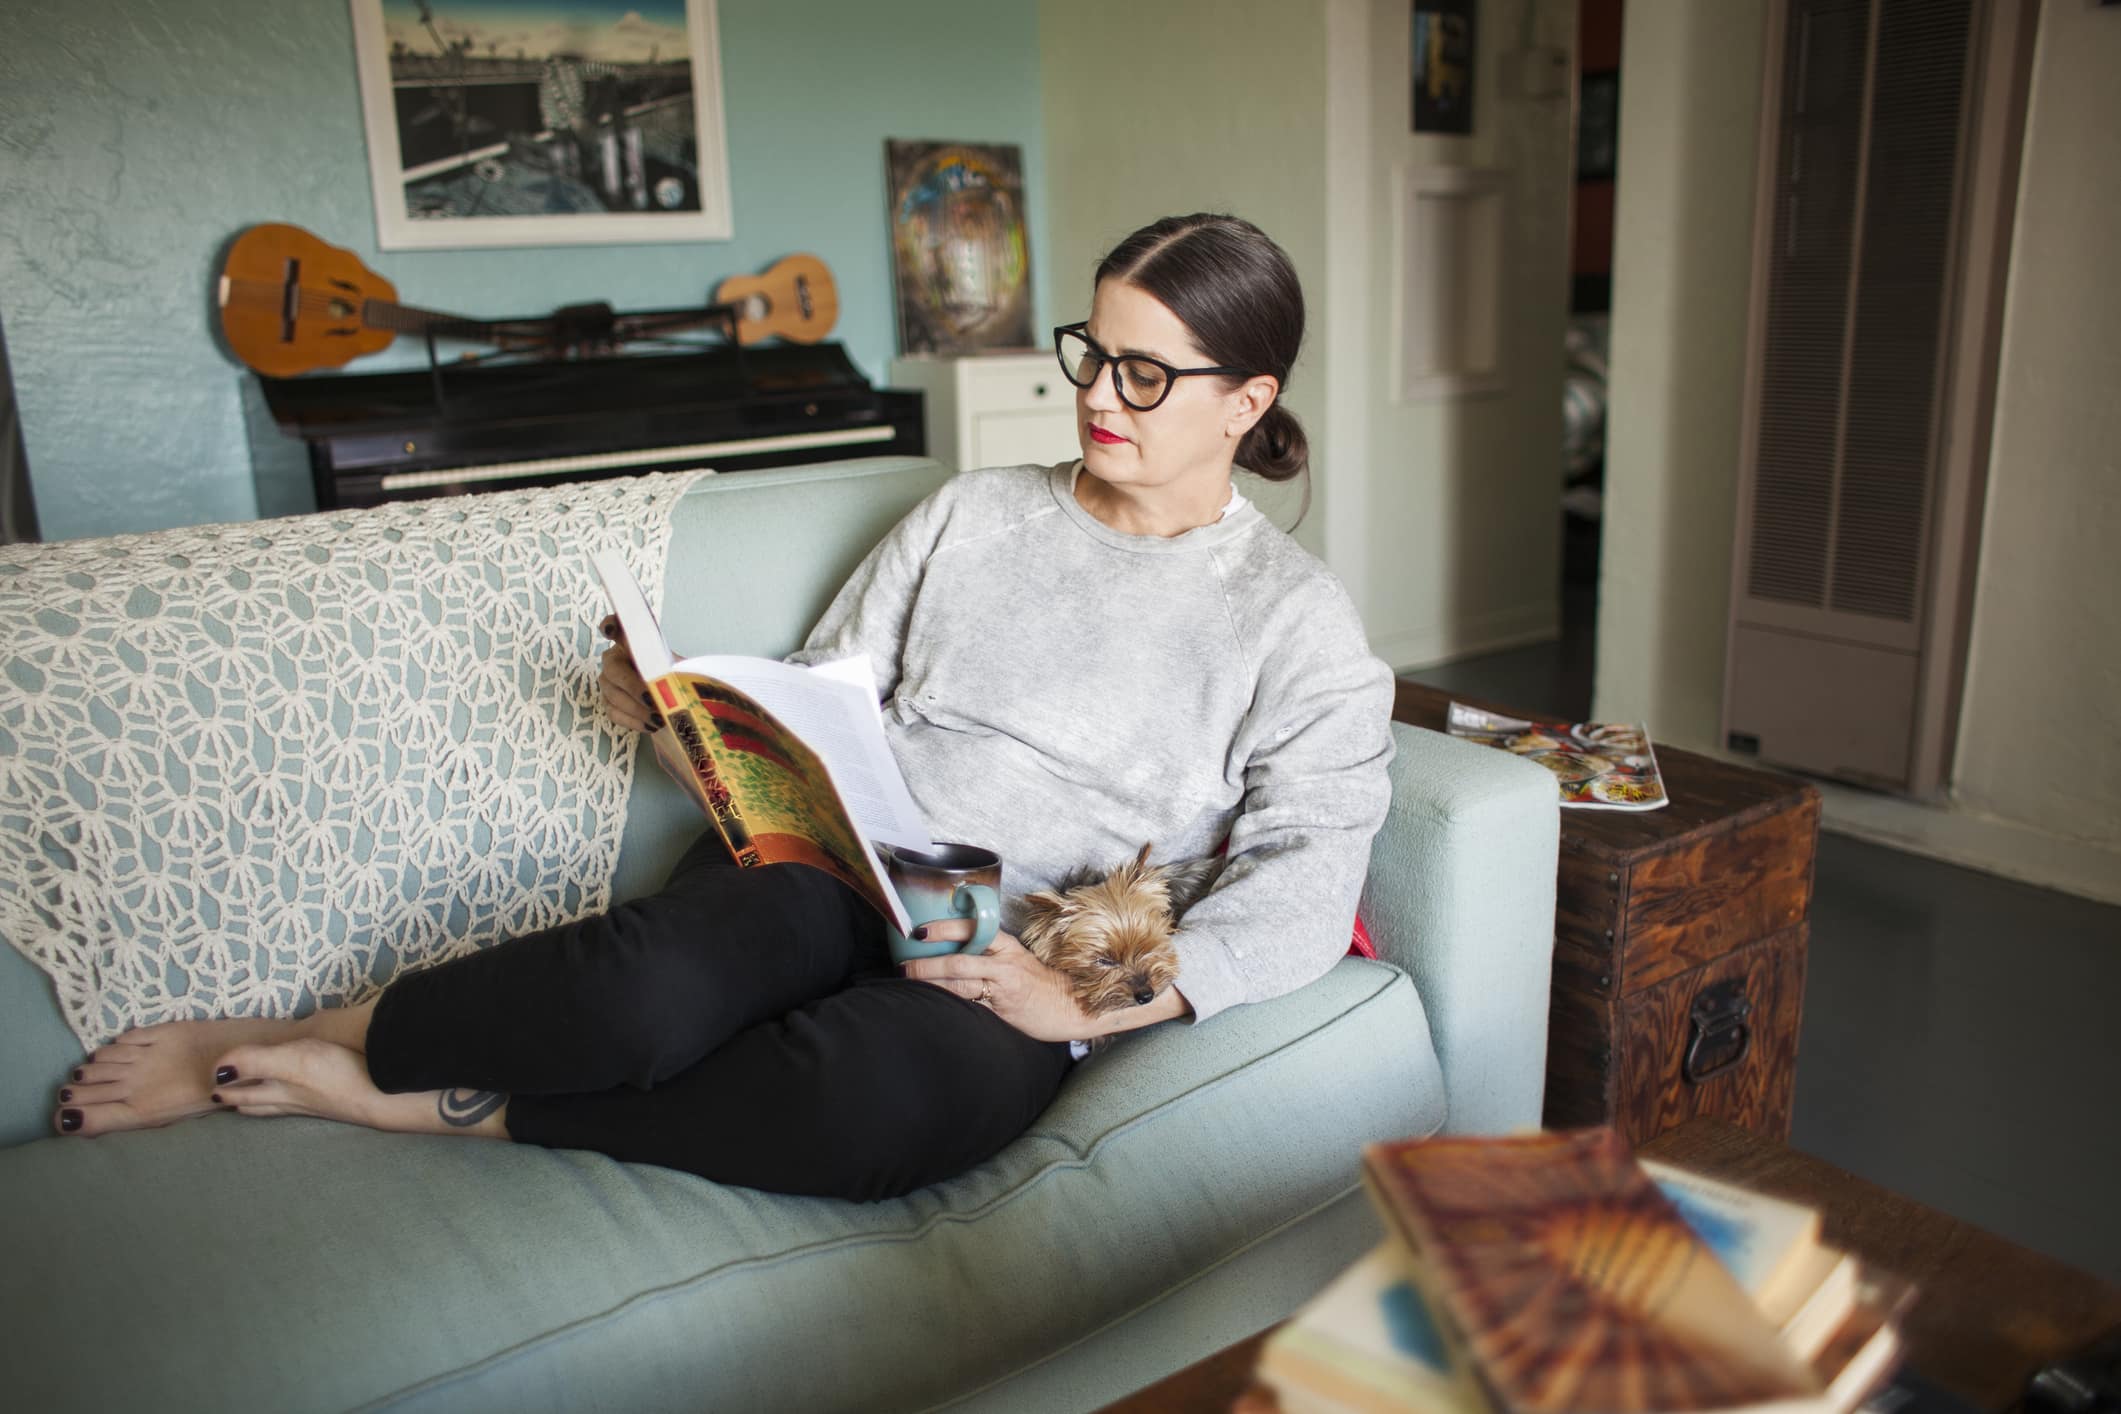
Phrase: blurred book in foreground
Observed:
(1555, 1273)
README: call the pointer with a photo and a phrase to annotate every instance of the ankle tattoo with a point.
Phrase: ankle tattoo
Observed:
(464, 1108)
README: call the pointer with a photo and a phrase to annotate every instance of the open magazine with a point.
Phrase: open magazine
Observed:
(1601, 766)
(790, 763)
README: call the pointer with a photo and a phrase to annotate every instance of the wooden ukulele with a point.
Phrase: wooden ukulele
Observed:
(291, 303)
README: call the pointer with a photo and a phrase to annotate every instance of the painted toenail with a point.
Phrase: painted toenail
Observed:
(69, 1120)
(225, 1074)
(77, 1075)
(65, 1095)
(217, 1097)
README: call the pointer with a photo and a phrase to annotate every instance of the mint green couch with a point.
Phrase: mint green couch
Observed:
(1189, 1186)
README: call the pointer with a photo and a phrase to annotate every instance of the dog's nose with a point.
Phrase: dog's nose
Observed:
(1143, 996)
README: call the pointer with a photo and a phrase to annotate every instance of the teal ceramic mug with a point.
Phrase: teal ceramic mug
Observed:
(944, 881)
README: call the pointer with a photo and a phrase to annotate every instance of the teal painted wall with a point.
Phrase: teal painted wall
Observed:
(136, 136)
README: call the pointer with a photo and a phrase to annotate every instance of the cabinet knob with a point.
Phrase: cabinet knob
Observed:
(1038, 390)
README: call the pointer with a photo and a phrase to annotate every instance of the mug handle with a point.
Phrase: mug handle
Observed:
(980, 902)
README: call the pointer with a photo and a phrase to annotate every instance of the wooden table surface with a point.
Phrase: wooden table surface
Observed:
(1989, 1312)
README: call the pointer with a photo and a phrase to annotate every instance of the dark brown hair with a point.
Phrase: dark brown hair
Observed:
(1238, 294)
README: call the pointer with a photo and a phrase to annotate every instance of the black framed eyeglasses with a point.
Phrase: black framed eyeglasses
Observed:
(1141, 382)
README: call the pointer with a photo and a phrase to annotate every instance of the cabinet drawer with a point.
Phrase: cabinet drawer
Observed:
(1017, 385)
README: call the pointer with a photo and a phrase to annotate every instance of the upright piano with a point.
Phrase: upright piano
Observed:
(453, 429)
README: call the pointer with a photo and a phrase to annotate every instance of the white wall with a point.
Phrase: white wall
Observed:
(2038, 739)
(1441, 517)
(1451, 541)
(1682, 266)
(1182, 106)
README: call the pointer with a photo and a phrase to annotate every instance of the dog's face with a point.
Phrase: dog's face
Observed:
(1110, 938)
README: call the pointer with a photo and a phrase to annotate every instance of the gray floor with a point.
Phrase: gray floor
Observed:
(1960, 1041)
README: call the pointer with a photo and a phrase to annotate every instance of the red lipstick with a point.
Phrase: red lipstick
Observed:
(1102, 437)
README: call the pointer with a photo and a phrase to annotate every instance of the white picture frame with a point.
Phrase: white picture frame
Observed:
(584, 143)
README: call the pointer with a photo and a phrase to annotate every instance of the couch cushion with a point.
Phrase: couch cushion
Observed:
(233, 1263)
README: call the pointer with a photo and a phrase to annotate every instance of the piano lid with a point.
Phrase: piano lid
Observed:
(720, 379)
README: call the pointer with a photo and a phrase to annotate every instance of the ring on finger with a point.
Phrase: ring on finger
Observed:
(986, 994)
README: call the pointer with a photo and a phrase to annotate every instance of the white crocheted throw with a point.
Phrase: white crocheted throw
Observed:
(247, 770)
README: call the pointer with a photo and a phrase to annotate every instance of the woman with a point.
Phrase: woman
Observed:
(1076, 659)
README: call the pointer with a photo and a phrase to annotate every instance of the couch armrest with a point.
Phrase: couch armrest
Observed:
(1461, 895)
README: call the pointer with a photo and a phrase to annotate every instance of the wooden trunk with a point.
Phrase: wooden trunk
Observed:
(1679, 943)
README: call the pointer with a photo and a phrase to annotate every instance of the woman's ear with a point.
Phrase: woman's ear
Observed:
(1254, 396)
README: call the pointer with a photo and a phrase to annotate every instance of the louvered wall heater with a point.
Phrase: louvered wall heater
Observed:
(1888, 176)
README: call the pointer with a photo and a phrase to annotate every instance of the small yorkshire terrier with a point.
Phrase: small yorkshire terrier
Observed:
(1109, 932)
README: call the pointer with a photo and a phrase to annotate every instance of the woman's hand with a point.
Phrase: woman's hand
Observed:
(625, 694)
(1006, 978)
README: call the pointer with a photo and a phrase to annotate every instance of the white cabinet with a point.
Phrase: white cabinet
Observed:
(1000, 409)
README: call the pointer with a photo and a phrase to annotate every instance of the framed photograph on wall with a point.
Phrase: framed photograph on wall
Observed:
(1443, 66)
(542, 122)
(960, 251)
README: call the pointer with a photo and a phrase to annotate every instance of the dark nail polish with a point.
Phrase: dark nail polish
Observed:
(69, 1120)
(65, 1095)
(77, 1075)
(217, 1097)
(655, 721)
(609, 629)
(225, 1074)
(648, 701)
(920, 934)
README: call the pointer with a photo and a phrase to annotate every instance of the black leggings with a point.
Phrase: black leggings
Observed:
(746, 1025)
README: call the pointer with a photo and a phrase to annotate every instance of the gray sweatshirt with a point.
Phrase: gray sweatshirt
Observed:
(1062, 693)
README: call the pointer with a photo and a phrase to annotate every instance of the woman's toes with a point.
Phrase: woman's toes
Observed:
(90, 1120)
(100, 1072)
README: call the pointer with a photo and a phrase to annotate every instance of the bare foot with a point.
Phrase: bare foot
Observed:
(155, 1075)
(309, 1076)
(299, 1077)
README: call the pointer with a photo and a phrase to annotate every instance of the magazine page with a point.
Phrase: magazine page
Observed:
(773, 798)
(1599, 766)
(832, 708)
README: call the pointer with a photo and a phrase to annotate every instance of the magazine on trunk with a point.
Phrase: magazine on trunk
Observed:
(1599, 765)
(789, 763)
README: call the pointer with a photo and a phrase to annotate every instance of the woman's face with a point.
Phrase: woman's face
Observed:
(1193, 433)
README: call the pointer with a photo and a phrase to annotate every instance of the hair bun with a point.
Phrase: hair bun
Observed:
(1276, 447)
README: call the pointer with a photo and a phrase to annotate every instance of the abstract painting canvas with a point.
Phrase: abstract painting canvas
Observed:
(960, 254)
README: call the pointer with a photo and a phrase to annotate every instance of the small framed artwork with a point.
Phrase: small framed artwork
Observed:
(1598, 127)
(542, 122)
(1443, 45)
(960, 251)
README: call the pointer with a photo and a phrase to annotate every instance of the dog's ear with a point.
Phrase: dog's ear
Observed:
(1188, 883)
(1043, 905)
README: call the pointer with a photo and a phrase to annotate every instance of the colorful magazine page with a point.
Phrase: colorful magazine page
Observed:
(773, 799)
(1598, 765)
